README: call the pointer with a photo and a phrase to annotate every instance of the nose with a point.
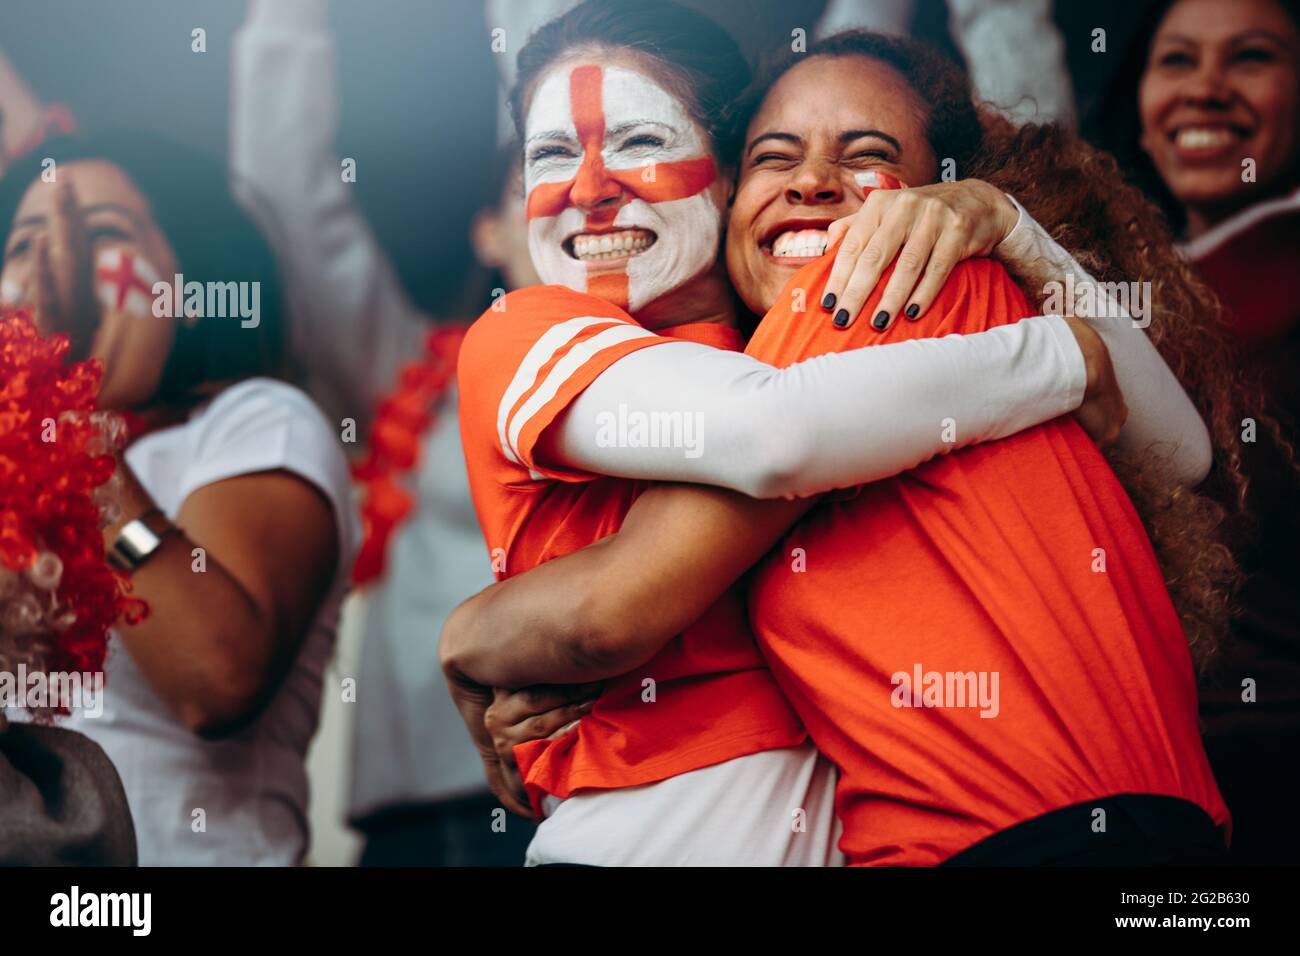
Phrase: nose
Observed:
(594, 190)
(814, 183)
(1207, 86)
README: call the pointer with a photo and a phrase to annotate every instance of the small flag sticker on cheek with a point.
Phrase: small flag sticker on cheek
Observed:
(11, 293)
(875, 179)
(124, 282)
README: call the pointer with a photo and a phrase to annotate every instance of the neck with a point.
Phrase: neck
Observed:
(706, 298)
(1202, 217)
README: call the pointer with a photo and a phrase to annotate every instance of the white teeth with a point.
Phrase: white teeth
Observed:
(800, 244)
(612, 245)
(1200, 137)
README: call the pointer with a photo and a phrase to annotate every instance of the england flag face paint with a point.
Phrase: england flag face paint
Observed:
(617, 175)
(124, 281)
(12, 293)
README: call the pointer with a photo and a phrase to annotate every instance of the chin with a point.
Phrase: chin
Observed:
(1217, 189)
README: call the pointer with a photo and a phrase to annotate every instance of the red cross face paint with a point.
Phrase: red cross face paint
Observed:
(124, 282)
(618, 175)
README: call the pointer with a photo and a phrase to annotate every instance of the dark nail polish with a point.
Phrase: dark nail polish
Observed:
(842, 318)
(828, 303)
(913, 310)
(880, 321)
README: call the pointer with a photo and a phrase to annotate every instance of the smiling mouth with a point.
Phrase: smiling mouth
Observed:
(609, 246)
(1206, 138)
(796, 242)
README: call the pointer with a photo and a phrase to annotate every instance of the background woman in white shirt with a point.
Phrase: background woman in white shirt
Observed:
(234, 492)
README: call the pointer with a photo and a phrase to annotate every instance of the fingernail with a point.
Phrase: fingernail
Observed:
(880, 321)
(828, 303)
(913, 311)
(841, 318)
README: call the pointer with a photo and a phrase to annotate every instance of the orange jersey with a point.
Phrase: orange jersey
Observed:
(713, 697)
(981, 640)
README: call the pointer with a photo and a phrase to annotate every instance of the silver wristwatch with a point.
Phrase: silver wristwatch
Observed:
(139, 539)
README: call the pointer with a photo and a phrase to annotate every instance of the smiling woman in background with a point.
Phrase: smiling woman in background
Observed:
(234, 517)
(1207, 116)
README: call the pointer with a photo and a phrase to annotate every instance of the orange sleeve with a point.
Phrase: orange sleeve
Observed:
(521, 364)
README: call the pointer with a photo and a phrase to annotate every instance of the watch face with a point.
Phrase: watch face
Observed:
(135, 542)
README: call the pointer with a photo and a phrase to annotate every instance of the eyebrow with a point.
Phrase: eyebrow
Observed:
(1253, 33)
(620, 128)
(36, 220)
(633, 124)
(550, 134)
(844, 138)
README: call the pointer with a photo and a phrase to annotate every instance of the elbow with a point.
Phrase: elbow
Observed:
(217, 714)
(780, 455)
(601, 643)
(232, 694)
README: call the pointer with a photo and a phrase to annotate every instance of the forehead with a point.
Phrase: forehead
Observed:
(1212, 21)
(830, 94)
(627, 93)
(97, 181)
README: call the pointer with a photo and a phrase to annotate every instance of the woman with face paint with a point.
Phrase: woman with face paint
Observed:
(625, 203)
(909, 573)
(233, 517)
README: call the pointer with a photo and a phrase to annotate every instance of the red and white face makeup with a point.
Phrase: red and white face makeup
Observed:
(617, 175)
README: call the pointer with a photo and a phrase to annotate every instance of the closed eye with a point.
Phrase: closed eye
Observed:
(549, 152)
(644, 140)
(1255, 55)
(762, 158)
(98, 233)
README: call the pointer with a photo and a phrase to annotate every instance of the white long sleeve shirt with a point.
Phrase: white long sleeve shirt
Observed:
(354, 327)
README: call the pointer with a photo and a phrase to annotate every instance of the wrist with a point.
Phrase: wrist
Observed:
(139, 540)
(1092, 347)
(1011, 224)
(133, 502)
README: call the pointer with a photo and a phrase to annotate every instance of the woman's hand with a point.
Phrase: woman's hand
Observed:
(929, 228)
(473, 700)
(534, 713)
(1103, 411)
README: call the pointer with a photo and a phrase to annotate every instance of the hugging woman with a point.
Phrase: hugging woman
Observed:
(687, 754)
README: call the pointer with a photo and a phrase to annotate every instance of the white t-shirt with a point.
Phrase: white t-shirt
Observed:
(774, 808)
(251, 787)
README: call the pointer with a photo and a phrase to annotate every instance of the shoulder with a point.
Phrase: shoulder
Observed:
(526, 313)
(528, 328)
(256, 397)
(979, 294)
(260, 425)
(260, 412)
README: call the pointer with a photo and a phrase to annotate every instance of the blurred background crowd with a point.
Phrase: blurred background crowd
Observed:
(369, 144)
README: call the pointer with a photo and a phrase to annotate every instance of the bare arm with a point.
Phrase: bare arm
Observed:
(604, 610)
(20, 110)
(218, 641)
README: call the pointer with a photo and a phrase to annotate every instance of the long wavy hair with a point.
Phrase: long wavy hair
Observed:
(1080, 196)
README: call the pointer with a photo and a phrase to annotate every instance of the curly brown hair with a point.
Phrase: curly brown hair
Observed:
(1080, 196)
